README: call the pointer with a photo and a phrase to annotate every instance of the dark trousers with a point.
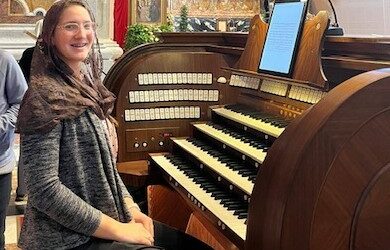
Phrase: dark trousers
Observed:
(5, 192)
(21, 189)
(165, 237)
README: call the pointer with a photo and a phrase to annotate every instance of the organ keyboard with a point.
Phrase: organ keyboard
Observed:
(260, 121)
(260, 158)
(222, 164)
(206, 195)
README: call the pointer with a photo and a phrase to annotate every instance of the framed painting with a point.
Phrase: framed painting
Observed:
(148, 11)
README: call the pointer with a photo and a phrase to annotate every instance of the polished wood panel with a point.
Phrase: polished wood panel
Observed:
(307, 68)
(200, 228)
(312, 197)
(162, 58)
(174, 212)
(323, 179)
(133, 173)
(342, 56)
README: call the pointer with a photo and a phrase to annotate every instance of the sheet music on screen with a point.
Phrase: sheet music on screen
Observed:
(282, 39)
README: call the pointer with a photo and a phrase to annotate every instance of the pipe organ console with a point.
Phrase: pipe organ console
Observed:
(244, 160)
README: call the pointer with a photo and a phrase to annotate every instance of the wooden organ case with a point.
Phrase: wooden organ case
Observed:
(255, 161)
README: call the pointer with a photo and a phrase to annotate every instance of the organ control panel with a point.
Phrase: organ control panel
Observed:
(223, 140)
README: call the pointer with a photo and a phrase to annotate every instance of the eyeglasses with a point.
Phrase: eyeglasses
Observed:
(75, 27)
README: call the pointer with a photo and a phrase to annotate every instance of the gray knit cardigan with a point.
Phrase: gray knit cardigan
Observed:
(71, 180)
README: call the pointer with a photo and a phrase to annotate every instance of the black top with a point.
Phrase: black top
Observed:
(25, 62)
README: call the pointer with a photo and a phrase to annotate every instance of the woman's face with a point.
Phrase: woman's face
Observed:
(74, 36)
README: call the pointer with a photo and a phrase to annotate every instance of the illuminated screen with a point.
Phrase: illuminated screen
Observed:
(282, 38)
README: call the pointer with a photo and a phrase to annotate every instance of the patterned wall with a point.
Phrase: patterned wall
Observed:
(216, 8)
(20, 11)
(204, 14)
(20, 7)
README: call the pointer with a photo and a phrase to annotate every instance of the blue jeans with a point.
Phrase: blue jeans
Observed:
(5, 192)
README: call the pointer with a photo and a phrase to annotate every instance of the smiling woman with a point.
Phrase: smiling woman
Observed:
(74, 36)
(76, 198)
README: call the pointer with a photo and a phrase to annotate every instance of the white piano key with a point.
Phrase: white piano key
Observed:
(127, 115)
(174, 78)
(177, 112)
(175, 95)
(192, 112)
(140, 79)
(146, 96)
(172, 112)
(170, 95)
(131, 97)
(179, 78)
(145, 77)
(167, 114)
(204, 78)
(195, 78)
(162, 113)
(152, 114)
(216, 95)
(181, 111)
(157, 113)
(155, 78)
(161, 95)
(156, 94)
(151, 95)
(226, 217)
(256, 154)
(136, 96)
(170, 80)
(147, 114)
(209, 78)
(185, 95)
(186, 112)
(189, 78)
(166, 95)
(141, 96)
(142, 114)
(165, 78)
(200, 95)
(150, 78)
(197, 112)
(264, 127)
(132, 115)
(180, 94)
(239, 181)
(137, 115)
(196, 95)
(160, 78)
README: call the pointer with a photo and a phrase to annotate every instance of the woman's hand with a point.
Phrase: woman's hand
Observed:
(131, 232)
(146, 221)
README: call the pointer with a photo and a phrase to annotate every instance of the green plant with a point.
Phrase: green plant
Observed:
(138, 34)
(166, 28)
(183, 22)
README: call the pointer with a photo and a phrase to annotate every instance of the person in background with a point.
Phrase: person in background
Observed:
(25, 65)
(76, 198)
(12, 88)
(25, 60)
